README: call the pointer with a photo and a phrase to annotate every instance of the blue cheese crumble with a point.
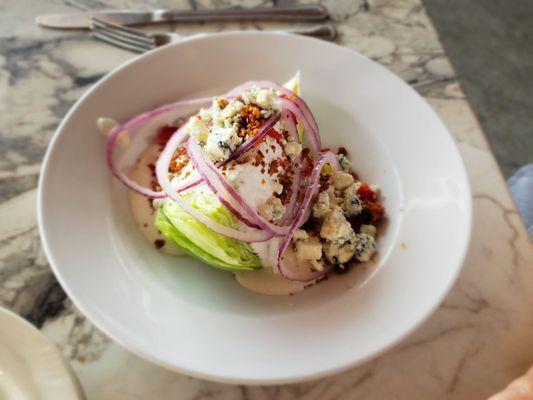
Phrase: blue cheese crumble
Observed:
(337, 240)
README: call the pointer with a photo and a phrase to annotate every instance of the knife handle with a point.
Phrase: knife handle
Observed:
(294, 13)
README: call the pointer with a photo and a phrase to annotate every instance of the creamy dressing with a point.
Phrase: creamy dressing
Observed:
(143, 211)
(265, 281)
(254, 183)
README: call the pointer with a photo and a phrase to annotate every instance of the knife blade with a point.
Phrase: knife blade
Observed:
(82, 20)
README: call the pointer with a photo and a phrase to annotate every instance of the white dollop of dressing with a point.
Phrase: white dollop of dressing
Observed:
(254, 183)
(106, 125)
(143, 211)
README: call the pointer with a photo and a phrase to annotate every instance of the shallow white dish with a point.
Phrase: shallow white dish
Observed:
(31, 367)
(198, 320)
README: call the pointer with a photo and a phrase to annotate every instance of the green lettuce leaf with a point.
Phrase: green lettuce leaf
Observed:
(200, 242)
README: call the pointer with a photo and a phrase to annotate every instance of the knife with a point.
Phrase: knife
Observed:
(82, 20)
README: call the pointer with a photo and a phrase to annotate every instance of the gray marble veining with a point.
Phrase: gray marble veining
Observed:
(479, 338)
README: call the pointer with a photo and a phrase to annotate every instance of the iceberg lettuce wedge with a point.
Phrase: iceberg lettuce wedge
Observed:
(200, 242)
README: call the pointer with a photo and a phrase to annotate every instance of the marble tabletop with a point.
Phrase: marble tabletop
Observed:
(480, 337)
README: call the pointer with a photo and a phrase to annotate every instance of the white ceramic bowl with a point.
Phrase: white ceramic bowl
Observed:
(197, 320)
(31, 367)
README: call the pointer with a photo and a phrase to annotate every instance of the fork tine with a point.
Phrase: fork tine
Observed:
(119, 29)
(113, 36)
(148, 44)
(119, 43)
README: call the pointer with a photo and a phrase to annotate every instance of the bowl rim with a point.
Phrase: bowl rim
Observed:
(295, 378)
(38, 336)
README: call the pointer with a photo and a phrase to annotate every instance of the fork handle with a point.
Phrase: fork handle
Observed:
(296, 13)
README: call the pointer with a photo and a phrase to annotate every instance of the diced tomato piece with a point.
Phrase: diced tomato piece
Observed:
(164, 134)
(275, 134)
(365, 193)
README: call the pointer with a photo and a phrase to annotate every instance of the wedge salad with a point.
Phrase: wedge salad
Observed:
(245, 185)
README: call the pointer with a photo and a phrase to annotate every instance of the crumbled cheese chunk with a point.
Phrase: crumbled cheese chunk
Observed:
(205, 114)
(308, 249)
(221, 142)
(344, 162)
(369, 230)
(293, 149)
(335, 227)
(265, 98)
(300, 234)
(342, 180)
(233, 108)
(322, 205)
(272, 210)
(318, 265)
(277, 187)
(197, 128)
(365, 247)
(339, 252)
(352, 204)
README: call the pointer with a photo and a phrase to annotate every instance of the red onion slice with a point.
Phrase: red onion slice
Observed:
(227, 194)
(133, 123)
(161, 168)
(301, 217)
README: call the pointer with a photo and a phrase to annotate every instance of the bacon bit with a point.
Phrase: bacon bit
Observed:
(180, 161)
(290, 96)
(285, 179)
(325, 149)
(365, 193)
(262, 170)
(324, 184)
(222, 103)
(342, 151)
(376, 210)
(258, 159)
(273, 167)
(164, 134)
(250, 121)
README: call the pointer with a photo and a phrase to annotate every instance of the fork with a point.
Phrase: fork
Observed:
(140, 42)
